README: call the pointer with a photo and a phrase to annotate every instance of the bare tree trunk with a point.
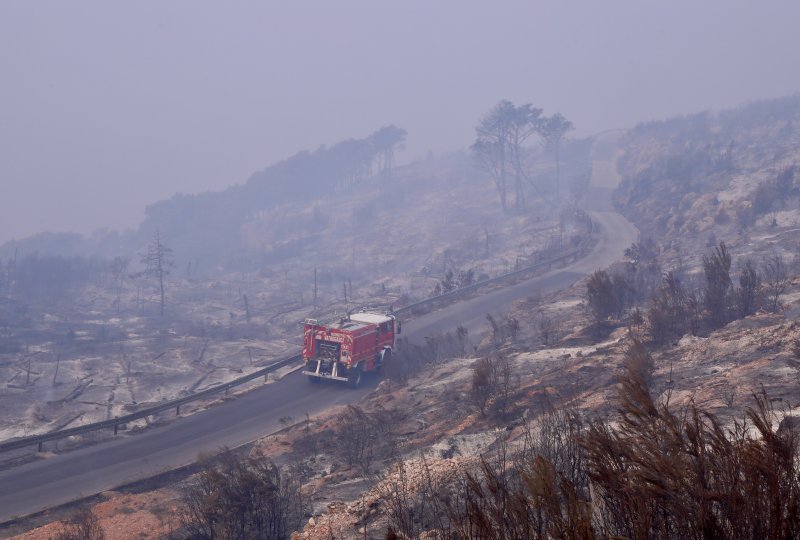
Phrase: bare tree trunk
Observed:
(58, 361)
(558, 171)
(502, 186)
(157, 262)
(161, 287)
(519, 202)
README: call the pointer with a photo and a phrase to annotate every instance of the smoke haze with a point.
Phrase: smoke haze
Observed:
(107, 107)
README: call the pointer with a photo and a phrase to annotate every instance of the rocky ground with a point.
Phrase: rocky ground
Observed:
(440, 431)
(730, 176)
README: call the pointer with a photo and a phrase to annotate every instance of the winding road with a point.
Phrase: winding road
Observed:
(59, 479)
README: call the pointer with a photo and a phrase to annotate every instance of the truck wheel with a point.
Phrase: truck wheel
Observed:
(354, 377)
(385, 358)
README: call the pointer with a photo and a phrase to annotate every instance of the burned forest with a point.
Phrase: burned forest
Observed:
(358, 270)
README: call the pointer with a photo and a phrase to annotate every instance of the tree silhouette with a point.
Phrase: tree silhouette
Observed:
(717, 270)
(499, 146)
(525, 122)
(490, 146)
(747, 292)
(776, 281)
(157, 261)
(383, 143)
(553, 130)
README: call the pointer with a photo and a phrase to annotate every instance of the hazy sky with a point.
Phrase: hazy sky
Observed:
(108, 106)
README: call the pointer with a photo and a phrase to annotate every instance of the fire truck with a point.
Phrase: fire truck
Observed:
(347, 348)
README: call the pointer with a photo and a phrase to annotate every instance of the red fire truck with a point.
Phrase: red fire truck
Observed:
(349, 347)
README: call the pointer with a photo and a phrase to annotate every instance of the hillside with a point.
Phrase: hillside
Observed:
(263, 220)
(83, 339)
(574, 416)
(591, 421)
(714, 176)
(207, 226)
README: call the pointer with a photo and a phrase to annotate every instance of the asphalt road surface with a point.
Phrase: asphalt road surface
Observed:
(62, 478)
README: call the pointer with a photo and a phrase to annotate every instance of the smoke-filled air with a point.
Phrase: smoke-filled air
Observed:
(399, 270)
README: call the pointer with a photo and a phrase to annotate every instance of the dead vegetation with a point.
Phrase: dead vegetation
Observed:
(82, 525)
(235, 497)
(612, 441)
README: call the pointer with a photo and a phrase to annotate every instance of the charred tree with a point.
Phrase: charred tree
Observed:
(158, 262)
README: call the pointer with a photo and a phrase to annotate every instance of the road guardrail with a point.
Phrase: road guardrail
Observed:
(114, 423)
